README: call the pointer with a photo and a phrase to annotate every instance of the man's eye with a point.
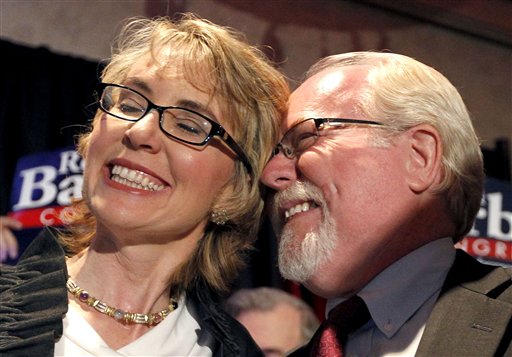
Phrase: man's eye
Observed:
(305, 136)
(305, 140)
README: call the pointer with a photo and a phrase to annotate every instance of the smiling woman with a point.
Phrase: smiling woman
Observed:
(188, 115)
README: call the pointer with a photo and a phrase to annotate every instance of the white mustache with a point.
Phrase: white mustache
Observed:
(298, 191)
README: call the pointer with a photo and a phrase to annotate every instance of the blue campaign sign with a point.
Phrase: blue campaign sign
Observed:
(491, 236)
(44, 184)
(50, 178)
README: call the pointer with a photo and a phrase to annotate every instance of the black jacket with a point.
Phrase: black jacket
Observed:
(33, 302)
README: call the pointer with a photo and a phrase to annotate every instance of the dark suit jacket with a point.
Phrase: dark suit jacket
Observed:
(472, 316)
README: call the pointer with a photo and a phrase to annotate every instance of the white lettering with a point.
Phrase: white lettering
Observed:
(481, 247)
(70, 162)
(497, 216)
(30, 185)
(70, 187)
(65, 214)
(482, 214)
(47, 217)
(500, 250)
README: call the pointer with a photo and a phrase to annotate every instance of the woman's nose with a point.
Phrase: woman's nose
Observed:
(145, 133)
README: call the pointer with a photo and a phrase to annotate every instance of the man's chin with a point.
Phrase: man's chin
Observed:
(296, 275)
(295, 260)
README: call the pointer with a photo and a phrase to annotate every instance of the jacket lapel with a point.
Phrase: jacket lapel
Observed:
(470, 317)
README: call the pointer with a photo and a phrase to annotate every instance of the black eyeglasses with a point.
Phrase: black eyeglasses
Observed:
(304, 134)
(179, 123)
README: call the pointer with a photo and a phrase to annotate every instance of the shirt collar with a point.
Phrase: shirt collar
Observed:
(395, 294)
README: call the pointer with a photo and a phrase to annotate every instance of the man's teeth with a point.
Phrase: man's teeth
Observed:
(134, 179)
(301, 207)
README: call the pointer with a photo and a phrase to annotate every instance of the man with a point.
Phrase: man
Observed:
(277, 321)
(370, 198)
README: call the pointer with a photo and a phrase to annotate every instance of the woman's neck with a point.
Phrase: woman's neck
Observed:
(132, 278)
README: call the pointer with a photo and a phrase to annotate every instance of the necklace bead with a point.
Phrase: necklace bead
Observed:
(150, 319)
(118, 315)
(83, 296)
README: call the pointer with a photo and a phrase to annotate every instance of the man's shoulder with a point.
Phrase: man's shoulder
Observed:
(474, 309)
(494, 281)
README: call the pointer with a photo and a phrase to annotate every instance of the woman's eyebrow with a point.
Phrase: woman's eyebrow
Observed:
(143, 86)
(140, 83)
(196, 106)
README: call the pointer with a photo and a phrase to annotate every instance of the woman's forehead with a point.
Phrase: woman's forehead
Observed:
(177, 65)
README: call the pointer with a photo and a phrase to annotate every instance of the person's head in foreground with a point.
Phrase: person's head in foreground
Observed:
(278, 321)
(378, 172)
(188, 115)
(378, 158)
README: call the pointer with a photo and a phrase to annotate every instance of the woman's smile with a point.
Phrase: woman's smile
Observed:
(135, 179)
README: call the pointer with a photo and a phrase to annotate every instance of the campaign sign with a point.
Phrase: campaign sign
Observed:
(44, 184)
(490, 240)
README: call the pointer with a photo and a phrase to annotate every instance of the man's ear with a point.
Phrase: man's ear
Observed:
(424, 163)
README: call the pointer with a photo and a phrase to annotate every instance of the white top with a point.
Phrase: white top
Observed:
(400, 300)
(176, 335)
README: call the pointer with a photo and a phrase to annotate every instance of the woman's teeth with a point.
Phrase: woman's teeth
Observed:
(134, 179)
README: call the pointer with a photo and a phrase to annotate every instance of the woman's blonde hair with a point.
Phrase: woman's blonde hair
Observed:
(402, 93)
(253, 95)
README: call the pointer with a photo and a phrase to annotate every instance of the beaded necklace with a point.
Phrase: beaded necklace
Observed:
(119, 315)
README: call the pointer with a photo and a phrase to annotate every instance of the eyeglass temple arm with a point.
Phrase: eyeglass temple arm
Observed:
(340, 121)
(238, 150)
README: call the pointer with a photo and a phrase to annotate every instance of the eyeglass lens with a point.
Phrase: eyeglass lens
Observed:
(299, 138)
(304, 134)
(180, 123)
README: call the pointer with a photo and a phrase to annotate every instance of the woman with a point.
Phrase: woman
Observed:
(188, 115)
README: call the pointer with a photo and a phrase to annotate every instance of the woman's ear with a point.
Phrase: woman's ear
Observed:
(424, 162)
(224, 197)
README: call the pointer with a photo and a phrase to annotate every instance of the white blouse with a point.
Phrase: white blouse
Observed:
(176, 335)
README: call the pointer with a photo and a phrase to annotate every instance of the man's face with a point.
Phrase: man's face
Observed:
(339, 204)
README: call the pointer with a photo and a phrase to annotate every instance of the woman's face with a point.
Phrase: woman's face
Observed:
(182, 181)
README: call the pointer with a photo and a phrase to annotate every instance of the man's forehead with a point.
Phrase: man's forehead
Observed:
(327, 93)
(331, 80)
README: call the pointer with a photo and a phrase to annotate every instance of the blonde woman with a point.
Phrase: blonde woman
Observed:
(188, 114)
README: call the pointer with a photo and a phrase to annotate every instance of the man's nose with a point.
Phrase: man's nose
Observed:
(279, 173)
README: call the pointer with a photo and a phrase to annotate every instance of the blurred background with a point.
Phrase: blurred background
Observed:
(52, 53)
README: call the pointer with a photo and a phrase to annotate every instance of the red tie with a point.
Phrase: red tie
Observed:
(342, 320)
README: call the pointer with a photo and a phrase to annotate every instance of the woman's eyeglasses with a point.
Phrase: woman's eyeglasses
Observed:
(179, 123)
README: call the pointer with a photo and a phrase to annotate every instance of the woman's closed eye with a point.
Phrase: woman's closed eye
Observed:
(130, 107)
(190, 127)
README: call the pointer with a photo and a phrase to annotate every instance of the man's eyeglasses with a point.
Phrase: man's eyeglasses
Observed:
(179, 123)
(304, 134)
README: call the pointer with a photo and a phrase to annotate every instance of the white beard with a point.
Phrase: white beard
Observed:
(300, 259)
